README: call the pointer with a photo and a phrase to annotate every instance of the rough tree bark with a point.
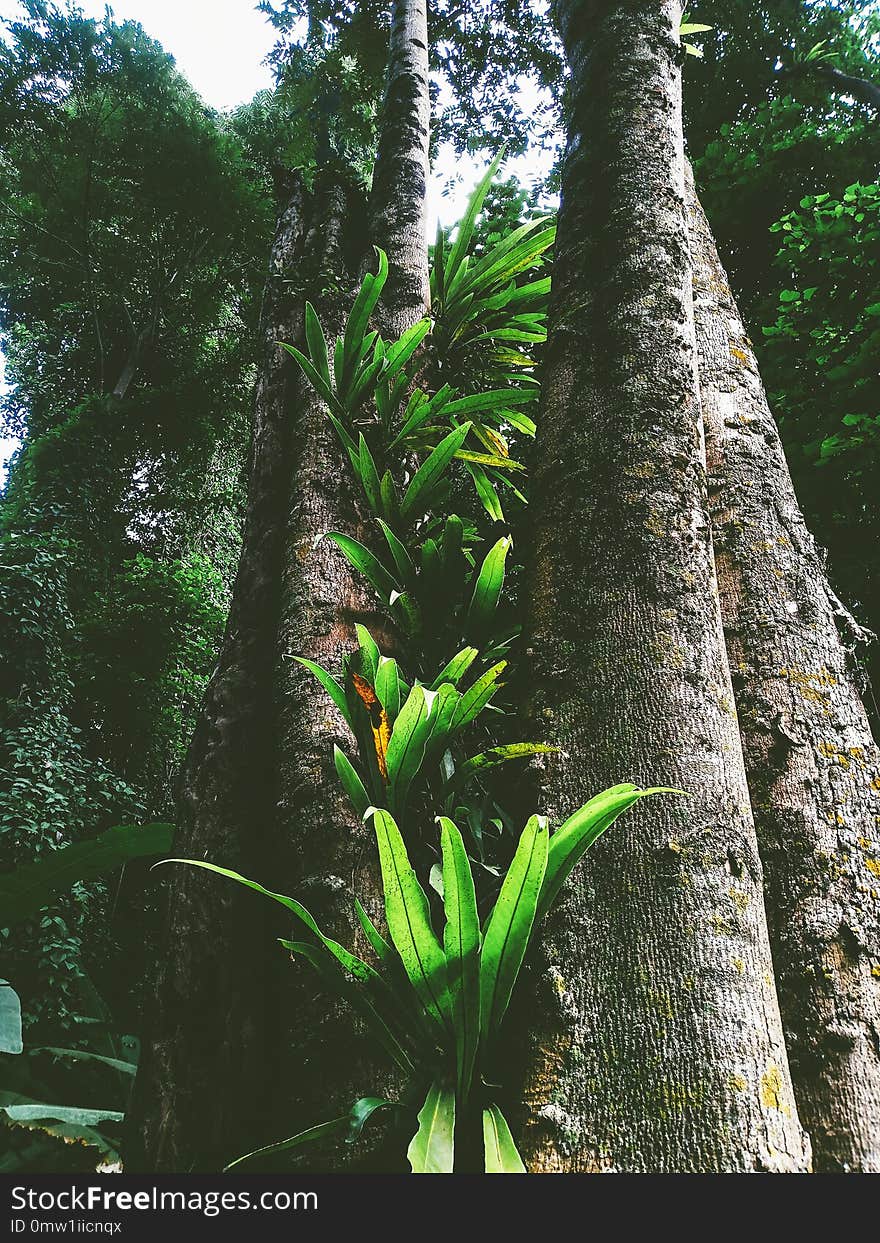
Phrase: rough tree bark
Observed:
(660, 1045)
(244, 1045)
(398, 202)
(331, 853)
(812, 764)
(203, 1083)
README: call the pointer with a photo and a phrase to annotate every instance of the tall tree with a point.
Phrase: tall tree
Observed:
(813, 766)
(261, 783)
(661, 1045)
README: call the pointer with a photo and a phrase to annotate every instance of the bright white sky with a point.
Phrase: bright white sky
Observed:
(220, 46)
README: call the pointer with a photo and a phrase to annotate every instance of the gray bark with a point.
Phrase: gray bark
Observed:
(398, 208)
(813, 767)
(658, 1043)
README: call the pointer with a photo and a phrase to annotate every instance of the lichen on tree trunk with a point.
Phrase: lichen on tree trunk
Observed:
(812, 764)
(658, 1043)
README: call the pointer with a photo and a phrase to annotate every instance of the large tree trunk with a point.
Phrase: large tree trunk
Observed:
(204, 1082)
(659, 1045)
(261, 793)
(398, 203)
(813, 767)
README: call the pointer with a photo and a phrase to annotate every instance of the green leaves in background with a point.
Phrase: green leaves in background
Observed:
(26, 890)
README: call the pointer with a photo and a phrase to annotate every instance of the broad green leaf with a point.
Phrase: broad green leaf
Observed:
(489, 459)
(501, 1154)
(486, 492)
(487, 588)
(24, 891)
(351, 782)
(455, 670)
(384, 952)
(61, 1113)
(388, 687)
(317, 344)
(477, 696)
(493, 757)
(361, 1111)
(330, 685)
(388, 496)
(510, 925)
(399, 354)
(368, 565)
(83, 1055)
(432, 1148)
(10, 1019)
(360, 997)
(352, 964)
(492, 399)
(429, 472)
(359, 317)
(402, 560)
(406, 747)
(311, 373)
(466, 228)
(516, 260)
(461, 943)
(369, 476)
(573, 838)
(313, 1135)
(370, 655)
(409, 921)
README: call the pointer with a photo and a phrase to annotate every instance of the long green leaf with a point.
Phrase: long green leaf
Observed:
(361, 997)
(330, 685)
(351, 782)
(409, 921)
(61, 1113)
(455, 670)
(406, 747)
(492, 399)
(487, 588)
(83, 1055)
(573, 838)
(402, 560)
(510, 925)
(432, 1148)
(368, 565)
(317, 344)
(10, 1019)
(354, 965)
(486, 492)
(430, 472)
(465, 231)
(313, 1135)
(477, 696)
(24, 891)
(501, 1154)
(461, 943)
(495, 756)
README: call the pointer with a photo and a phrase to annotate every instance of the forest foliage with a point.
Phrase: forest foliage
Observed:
(134, 236)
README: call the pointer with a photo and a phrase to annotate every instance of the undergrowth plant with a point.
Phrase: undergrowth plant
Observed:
(436, 995)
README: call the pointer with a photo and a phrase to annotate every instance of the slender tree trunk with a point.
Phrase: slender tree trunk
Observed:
(813, 767)
(659, 1045)
(398, 204)
(202, 1088)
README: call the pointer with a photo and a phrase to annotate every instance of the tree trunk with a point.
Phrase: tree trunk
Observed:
(398, 203)
(813, 767)
(203, 1085)
(659, 1045)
